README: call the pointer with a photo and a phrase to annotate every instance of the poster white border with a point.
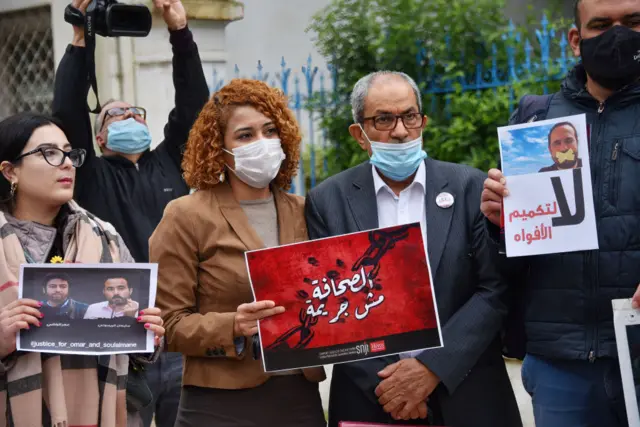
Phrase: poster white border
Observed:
(433, 293)
(153, 286)
(623, 316)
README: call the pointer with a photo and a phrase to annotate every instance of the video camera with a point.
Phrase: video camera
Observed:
(107, 18)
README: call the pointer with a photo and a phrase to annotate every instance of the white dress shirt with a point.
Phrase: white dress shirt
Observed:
(406, 208)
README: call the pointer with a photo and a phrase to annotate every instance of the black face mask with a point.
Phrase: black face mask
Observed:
(612, 59)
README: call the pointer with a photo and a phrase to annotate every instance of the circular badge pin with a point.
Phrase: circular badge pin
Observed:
(444, 200)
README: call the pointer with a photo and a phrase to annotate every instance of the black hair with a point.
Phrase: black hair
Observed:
(51, 276)
(126, 280)
(557, 125)
(576, 13)
(15, 132)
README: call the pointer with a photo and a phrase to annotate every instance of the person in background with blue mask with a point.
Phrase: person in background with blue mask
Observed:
(465, 382)
(130, 185)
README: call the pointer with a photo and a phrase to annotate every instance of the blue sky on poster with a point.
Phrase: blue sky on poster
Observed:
(525, 150)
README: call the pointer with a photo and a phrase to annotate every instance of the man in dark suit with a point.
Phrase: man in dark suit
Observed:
(464, 383)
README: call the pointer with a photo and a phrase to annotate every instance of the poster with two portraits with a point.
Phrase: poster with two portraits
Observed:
(88, 309)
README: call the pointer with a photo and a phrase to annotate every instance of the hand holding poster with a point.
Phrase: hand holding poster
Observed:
(626, 322)
(347, 298)
(88, 308)
(549, 208)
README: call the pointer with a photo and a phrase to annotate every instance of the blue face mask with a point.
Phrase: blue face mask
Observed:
(128, 137)
(397, 161)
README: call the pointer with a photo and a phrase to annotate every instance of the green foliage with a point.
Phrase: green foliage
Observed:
(321, 154)
(360, 36)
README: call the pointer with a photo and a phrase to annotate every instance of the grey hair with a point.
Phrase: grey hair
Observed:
(97, 125)
(361, 89)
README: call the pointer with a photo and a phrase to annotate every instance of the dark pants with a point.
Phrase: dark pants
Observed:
(165, 381)
(484, 399)
(347, 402)
(575, 393)
(283, 401)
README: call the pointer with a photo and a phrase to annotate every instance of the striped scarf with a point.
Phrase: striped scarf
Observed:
(76, 390)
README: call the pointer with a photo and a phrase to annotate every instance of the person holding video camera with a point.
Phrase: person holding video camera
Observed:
(130, 185)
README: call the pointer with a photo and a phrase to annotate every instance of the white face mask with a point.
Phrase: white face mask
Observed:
(258, 163)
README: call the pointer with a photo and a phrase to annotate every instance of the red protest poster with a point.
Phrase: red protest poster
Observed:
(347, 298)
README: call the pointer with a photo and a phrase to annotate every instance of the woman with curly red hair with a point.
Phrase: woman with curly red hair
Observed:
(241, 156)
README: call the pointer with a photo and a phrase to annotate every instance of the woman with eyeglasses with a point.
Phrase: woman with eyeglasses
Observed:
(40, 222)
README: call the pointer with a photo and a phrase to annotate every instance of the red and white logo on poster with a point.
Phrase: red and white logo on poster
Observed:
(377, 346)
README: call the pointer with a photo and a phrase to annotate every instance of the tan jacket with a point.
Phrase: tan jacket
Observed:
(202, 278)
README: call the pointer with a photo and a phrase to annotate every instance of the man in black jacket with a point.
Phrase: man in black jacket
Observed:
(571, 368)
(130, 185)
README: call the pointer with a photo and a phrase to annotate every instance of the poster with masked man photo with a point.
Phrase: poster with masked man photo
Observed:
(550, 204)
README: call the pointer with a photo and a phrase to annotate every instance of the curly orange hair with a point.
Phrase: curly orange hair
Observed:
(203, 163)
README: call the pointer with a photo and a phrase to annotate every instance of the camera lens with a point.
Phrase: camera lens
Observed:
(128, 20)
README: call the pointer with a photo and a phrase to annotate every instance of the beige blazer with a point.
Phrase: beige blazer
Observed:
(199, 246)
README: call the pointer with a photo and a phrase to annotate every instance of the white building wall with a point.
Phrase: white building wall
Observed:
(62, 31)
(11, 5)
(152, 65)
(270, 30)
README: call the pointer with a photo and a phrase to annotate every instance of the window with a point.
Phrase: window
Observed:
(26, 61)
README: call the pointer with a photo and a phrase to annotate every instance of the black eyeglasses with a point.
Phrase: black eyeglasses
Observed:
(55, 156)
(387, 122)
(121, 111)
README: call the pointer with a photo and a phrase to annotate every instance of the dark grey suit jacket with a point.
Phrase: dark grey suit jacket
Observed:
(468, 287)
